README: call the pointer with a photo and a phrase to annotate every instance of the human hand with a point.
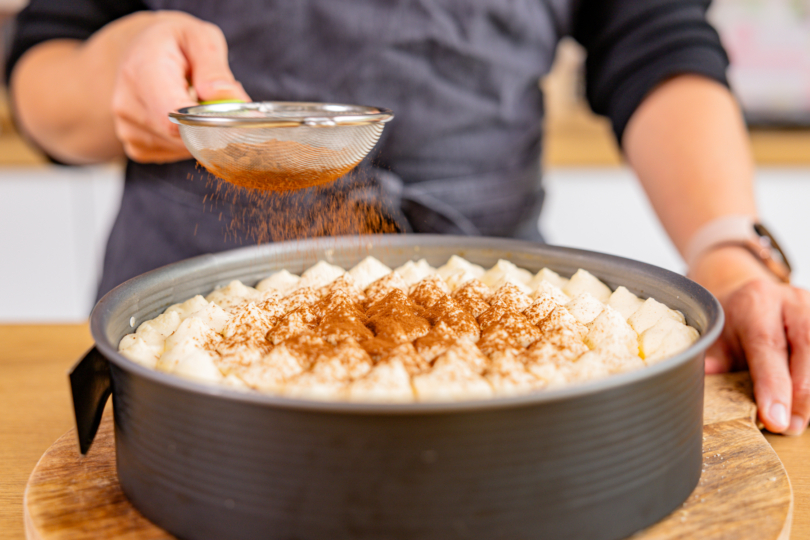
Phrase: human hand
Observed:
(767, 330)
(174, 61)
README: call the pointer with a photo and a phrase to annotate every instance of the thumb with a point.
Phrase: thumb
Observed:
(206, 50)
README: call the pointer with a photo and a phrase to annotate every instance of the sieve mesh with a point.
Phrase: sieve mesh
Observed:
(280, 146)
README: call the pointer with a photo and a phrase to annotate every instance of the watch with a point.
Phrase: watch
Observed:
(745, 232)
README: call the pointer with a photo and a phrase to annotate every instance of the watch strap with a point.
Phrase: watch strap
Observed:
(742, 231)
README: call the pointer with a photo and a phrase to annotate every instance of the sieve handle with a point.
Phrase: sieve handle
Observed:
(218, 101)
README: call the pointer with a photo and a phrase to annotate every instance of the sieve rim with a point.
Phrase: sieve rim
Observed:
(313, 115)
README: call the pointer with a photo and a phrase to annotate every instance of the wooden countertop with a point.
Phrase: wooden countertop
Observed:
(575, 137)
(35, 409)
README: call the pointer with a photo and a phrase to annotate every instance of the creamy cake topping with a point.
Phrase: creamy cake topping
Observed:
(416, 333)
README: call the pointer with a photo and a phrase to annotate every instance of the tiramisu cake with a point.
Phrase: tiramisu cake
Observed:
(416, 333)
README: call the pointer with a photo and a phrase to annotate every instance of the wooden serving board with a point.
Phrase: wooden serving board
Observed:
(744, 492)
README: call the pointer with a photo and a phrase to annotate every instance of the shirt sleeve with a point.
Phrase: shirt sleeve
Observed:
(43, 20)
(634, 45)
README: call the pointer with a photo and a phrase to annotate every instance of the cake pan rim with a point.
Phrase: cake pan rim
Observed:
(109, 350)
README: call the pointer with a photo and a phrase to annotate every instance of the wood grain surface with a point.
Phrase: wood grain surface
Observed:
(35, 405)
(35, 409)
(744, 492)
(70, 497)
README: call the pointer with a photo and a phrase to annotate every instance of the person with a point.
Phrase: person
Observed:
(93, 80)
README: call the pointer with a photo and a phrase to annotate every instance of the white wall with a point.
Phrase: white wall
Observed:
(54, 223)
(606, 210)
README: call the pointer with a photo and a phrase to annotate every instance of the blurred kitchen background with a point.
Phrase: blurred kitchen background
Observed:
(54, 220)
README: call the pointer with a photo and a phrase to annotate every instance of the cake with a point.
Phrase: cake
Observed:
(414, 333)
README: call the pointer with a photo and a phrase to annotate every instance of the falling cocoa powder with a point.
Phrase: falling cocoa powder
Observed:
(262, 216)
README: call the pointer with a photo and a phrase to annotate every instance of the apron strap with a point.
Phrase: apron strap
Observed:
(503, 203)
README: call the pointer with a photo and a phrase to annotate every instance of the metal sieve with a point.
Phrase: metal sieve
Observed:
(280, 145)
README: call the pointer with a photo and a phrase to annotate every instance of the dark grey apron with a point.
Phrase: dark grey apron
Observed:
(461, 157)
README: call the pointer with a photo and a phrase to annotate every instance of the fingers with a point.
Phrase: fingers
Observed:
(797, 326)
(145, 94)
(153, 80)
(767, 328)
(207, 52)
(755, 312)
(147, 147)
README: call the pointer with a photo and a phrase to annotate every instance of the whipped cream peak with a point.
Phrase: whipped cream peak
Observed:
(233, 294)
(506, 272)
(281, 282)
(549, 276)
(413, 334)
(414, 272)
(320, 275)
(455, 264)
(380, 288)
(368, 271)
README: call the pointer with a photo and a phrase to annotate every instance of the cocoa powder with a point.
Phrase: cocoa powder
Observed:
(257, 166)
(334, 335)
(261, 216)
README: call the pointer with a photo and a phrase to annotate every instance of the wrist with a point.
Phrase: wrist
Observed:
(727, 268)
